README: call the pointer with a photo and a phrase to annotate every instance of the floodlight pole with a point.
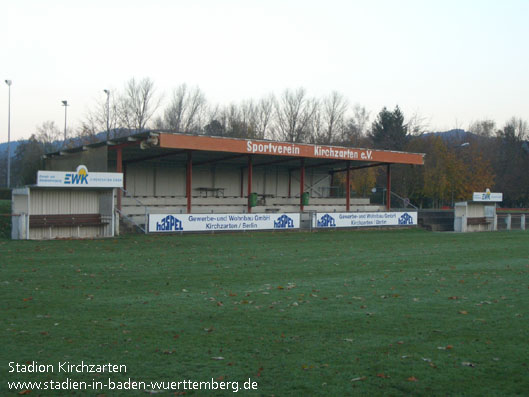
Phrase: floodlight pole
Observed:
(8, 82)
(65, 104)
(108, 113)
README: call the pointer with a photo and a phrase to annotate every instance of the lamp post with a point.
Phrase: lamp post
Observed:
(108, 113)
(65, 104)
(8, 82)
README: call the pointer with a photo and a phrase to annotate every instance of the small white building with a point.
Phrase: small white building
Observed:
(77, 204)
(479, 214)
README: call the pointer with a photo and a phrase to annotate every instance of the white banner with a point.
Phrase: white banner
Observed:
(80, 178)
(487, 196)
(159, 223)
(364, 219)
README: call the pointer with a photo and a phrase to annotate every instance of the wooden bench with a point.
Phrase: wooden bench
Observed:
(217, 191)
(477, 221)
(62, 220)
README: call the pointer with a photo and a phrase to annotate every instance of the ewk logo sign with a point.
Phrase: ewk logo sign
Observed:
(78, 178)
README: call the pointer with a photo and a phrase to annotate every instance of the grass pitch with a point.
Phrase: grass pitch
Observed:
(331, 313)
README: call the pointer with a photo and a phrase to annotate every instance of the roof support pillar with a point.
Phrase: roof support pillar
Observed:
(189, 179)
(119, 168)
(250, 171)
(125, 176)
(301, 183)
(242, 182)
(348, 187)
(289, 183)
(388, 188)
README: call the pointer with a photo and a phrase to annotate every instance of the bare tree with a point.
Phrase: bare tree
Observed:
(256, 116)
(485, 127)
(355, 129)
(237, 120)
(235, 126)
(137, 104)
(263, 115)
(185, 112)
(214, 125)
(87, 134)
(417, 124)
(515, 129)
(96, 119)
(49, 135)
(294, 112)
(317, 130)
(174, 113)
(247, 111)
(247, 120)
(217, 121)
(333, 111)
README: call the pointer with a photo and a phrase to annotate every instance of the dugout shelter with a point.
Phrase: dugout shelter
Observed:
(478, 214)
(71, 204)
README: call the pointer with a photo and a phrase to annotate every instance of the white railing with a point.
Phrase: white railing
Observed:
(128, 218)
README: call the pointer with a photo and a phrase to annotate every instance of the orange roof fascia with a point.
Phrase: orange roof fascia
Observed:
(248, 146)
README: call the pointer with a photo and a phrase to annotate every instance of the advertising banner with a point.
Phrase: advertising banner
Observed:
(80, 178)
(487, 196)
(159, 223)
(364, 219)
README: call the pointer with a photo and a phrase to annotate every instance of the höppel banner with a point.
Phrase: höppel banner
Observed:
(80, 178)
(159, 223)
(364, 219)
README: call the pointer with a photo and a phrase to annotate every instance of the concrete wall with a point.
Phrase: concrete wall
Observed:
(95, 160)
(150, 180)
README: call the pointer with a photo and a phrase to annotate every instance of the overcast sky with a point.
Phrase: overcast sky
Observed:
(453, 62)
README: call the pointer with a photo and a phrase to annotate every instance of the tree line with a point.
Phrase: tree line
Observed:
(293, 116)
(484, 156)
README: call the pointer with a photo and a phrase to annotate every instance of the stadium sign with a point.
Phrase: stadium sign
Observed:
(364, 219)
(487, 196)
(163, 223)
(244, 146)
(80, 178)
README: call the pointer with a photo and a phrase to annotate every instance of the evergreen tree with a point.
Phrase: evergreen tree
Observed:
(389, 131)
